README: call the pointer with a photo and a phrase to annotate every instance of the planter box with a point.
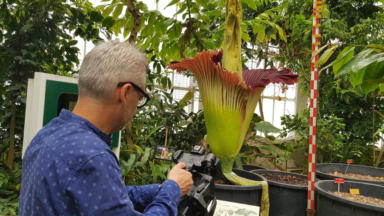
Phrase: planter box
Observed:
(323, 169)
(331, 205)
(250, 195)
(286, 199)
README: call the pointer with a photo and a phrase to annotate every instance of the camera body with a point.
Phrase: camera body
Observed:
(205, 169)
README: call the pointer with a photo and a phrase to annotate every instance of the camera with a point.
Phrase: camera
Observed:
(205, 169)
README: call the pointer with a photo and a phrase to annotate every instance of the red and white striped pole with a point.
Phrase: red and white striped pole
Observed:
(317, 9)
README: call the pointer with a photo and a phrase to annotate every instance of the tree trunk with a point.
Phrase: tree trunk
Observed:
(378, 160)
(129, 132)
(373, 127)
(166, 135)
(136, 20)
(11, 152)
(132, 39)
(260, 103)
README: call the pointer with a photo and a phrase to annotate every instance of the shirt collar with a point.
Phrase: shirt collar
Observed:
(67, 115)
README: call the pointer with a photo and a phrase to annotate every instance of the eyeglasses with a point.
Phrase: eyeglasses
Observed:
(144, 100)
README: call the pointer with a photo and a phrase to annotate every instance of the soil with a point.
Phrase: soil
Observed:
(360, 198)
(285, 179)
(357, 176)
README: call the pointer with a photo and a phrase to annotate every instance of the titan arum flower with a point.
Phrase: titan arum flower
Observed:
(229, 100)
(229, 94)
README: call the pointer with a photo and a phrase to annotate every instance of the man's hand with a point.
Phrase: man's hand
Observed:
(182, 177)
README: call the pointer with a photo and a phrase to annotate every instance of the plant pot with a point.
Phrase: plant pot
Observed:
(331, 205)
(322, 171)
(248, 167)
(286, 199)
(250, 195)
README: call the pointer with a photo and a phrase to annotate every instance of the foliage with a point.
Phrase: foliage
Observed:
(346, 27)
(339, 98)
(138, 169)
(365, 69)
(201, 26)
(10, 181)
(164, 120)
(275, 150)
(334, 145)
(35, 38)
(356, 23)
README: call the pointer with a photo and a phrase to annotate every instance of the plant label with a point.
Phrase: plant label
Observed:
(350, 161)
(339, 181)
(354, 191)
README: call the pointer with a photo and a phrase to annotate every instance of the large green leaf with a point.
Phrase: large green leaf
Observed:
(26, 28)
(375, 73)
(371, 74)
(131, 161)
(117, 11)
(266, 127)
(251, 4)
(107, 11)
(214, 12)
(187, 97)
(378, 132)
(318, 51)
(357, 78)
(108, 22)
(367, 61)
(347, 68)
(146, 154)
(336, 61)
(345, 56)
(376, 47)
(326, 55)
(172, 3)
(96, 17)
(154, 130)
(203, 3)
(300, 18)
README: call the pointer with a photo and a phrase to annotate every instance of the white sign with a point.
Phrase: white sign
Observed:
(225, 208)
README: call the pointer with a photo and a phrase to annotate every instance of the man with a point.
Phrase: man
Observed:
(69, 168)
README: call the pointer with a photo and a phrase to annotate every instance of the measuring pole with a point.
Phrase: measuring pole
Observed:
(317, 9)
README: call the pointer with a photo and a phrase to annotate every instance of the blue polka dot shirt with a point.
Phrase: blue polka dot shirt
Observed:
(69, 169)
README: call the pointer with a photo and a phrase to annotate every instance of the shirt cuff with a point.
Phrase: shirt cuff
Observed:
(170, 189)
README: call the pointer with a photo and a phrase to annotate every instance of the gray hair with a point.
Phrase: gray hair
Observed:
(108, 64)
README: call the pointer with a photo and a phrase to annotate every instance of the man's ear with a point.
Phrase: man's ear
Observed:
(124, 90)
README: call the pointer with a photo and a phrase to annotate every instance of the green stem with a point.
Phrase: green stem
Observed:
(227, 164)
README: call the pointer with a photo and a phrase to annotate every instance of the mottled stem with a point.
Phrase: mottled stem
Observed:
(227, 164)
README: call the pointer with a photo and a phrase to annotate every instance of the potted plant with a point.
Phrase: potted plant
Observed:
(332, 201)
(288, 192)
(230, 94)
